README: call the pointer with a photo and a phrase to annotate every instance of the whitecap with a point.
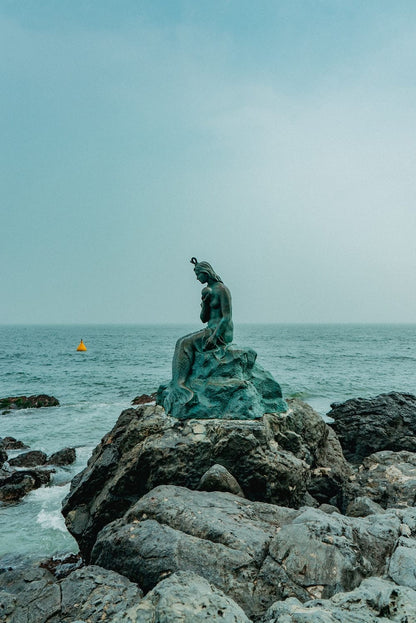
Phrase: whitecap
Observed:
(48, 495)
(52, 520)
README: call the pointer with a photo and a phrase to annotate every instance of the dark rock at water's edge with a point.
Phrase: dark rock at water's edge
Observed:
(33, 458)
(15, 484)
(29, 459)
(226, 383)
(10, 443)
(273, 459)
(367, 425)
(66, 456)
(28, 402)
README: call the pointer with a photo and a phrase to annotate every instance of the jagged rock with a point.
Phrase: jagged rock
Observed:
(32, 458)
(10, 443)
(28, 402)
(374, 601)
(16, 484)
(255, 553)
(362, 507)
(66, 456)
(184, 597)
(388, 478)
(92, 594)
(226, 383)
(217, 478)
(147, 448)
(368, 425)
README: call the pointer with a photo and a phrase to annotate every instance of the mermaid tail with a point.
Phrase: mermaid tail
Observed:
(177, 395)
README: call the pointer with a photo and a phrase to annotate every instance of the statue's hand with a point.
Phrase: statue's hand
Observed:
(206, 293)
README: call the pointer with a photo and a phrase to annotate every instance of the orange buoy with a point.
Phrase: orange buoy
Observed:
(81, 346)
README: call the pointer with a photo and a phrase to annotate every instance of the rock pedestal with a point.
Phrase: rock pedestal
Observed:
(227, 384)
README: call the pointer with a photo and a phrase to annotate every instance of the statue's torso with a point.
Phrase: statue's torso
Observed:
(218, 293)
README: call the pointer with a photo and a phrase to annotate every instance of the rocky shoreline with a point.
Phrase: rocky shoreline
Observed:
(281, 519)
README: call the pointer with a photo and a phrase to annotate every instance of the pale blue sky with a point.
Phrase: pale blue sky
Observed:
(274, 139)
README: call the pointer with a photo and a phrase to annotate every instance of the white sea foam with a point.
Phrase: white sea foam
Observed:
(47, 496)
(52, 520)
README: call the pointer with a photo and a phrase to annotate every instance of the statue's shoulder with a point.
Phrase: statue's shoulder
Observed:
(221, 288)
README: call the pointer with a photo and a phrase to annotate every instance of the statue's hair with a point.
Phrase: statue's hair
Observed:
(206, 268)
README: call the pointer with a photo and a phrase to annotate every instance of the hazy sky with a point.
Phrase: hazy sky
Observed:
(272, 138)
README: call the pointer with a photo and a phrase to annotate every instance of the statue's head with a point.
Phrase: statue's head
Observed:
(204, 271)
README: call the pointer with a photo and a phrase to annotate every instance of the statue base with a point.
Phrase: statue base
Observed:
(226, 383)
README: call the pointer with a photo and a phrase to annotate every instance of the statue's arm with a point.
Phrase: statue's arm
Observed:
(225, 302)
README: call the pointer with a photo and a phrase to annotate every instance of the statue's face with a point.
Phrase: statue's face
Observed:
(201, 276)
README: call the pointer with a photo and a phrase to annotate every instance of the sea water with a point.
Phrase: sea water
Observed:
(320, 364)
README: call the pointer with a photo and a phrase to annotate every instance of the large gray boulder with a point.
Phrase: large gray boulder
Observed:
(219, 536)
(255, 553)
(273, 459)
(374, 601)
(33, 595)
(184, 597)
(368, 425)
